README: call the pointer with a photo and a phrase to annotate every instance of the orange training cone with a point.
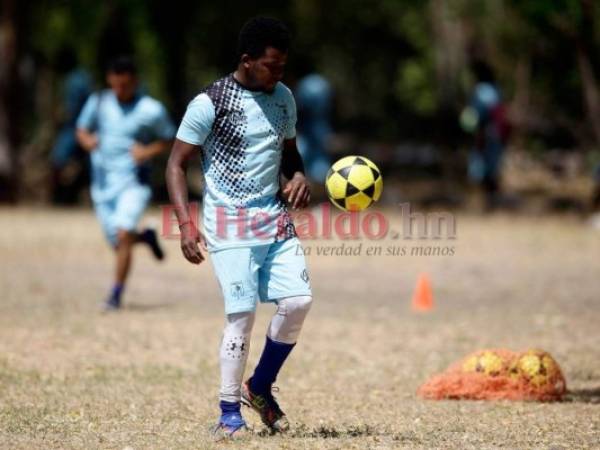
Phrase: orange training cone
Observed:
(423, 297)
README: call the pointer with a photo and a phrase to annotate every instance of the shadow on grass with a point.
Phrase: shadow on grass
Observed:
(144, 307)
(324, 432)
(344, 432)
(591, 395)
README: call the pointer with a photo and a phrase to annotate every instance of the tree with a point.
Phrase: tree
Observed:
(11, 32)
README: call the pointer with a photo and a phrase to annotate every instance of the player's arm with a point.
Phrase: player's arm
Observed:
(296, 190)
(164, 132)
(178, 192)
(87, 139)
(87, 123)
(142, 153)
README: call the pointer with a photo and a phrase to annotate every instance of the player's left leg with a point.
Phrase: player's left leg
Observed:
(284, 280)
(130, 205)
(282, 336)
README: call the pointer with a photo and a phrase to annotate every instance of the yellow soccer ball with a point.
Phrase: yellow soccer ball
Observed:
(486, 362)
(353, 183)
(536, 366)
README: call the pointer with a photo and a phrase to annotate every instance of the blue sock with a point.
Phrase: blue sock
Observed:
(272, 358)
(115, 296)
(229, 407)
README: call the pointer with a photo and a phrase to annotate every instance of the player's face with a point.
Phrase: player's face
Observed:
(123, 85)
(268, 69)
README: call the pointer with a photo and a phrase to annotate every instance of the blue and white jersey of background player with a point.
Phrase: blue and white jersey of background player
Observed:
(241, 133)
(119, 126)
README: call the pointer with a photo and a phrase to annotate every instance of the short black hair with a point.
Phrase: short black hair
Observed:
(261, 32)
(121, 65)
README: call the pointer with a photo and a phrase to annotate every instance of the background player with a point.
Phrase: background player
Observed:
(492, 130)
(245, 126)
(123, 130)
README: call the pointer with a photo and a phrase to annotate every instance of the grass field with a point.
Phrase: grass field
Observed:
(147, 377)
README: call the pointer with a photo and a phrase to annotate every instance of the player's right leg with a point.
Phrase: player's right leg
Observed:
(233, 354)
(237, 272)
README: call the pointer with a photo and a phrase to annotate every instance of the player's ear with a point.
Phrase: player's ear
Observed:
(245, 60)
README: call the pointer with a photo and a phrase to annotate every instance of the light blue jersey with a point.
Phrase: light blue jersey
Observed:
(119, 126)
(241, 133)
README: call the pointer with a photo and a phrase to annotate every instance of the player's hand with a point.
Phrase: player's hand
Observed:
(140, 153)
(89, 142)
(297, 191)
(191, 242)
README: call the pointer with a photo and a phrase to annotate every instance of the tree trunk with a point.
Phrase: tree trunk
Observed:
(10, 100)
(589, 84)
(519, 111)
(172, 26)
(449, 47)
(591, 96)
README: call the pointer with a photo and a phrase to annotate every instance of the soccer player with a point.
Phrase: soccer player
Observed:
(491, 133)
(123, 130)
(244, 125)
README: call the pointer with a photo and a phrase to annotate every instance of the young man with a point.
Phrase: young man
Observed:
(492, 131)
(123, 130)
(244, 124)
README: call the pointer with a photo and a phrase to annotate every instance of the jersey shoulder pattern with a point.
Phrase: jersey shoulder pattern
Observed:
(242, 148)
(225, 146)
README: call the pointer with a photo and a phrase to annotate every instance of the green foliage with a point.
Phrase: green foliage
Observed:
(389, 60)
(413, 86)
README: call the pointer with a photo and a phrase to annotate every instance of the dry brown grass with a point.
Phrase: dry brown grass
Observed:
(148, 376)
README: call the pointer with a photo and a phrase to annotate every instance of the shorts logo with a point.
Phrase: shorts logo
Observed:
(304, 276)
(236, 117)
(237, 289)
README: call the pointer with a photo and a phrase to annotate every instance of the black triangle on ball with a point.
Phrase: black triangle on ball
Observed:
(340, 202)
(351, 189)
(375, 174)
(370, 191)
(359, 161)
(345, 172)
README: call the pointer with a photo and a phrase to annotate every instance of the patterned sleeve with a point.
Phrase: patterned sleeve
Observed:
(292, 117)
(198, 121)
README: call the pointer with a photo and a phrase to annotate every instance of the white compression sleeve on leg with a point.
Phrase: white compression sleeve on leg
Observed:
(234, 353)
(288, 319)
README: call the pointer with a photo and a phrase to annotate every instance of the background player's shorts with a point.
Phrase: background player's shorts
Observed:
(266, 272)
(124, 211)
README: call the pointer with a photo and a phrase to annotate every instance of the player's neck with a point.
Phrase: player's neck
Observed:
(244, 81)
(128, 100)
